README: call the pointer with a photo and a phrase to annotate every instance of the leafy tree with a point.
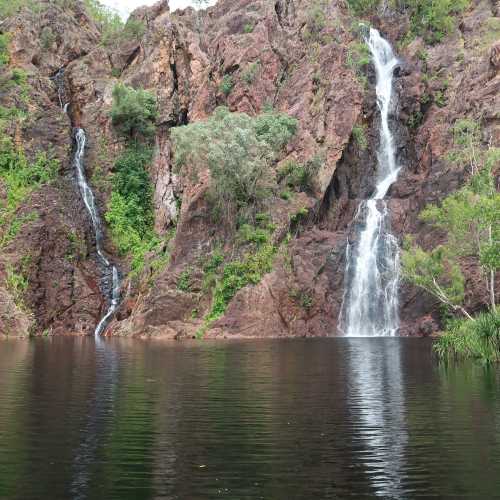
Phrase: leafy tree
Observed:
(471, 220)
(134, 112)
(237, 150)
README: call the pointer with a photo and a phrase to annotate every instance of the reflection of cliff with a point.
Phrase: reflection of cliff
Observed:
(279, 419)
(15, 360)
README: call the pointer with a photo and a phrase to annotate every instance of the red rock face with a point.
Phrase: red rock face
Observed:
(274, 59)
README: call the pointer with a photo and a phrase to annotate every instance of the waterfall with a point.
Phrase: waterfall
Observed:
(111, 276)
(88, 198)
(370, 305)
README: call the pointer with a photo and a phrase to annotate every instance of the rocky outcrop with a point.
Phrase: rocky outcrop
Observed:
(53, 249)
(273, 54)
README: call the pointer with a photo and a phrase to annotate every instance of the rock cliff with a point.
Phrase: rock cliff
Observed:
(276, 54)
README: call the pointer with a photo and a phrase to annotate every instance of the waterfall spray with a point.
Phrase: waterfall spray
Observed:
(370, 305)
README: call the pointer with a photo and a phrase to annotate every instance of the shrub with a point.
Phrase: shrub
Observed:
(358, 56)
(358, 133)
(238, 150)
(130, 210)
(315, 21)
(134, 29)
(134, 112)
(251, 72)
(20, 177)
(360, 7)
(47, 38)
(300, 176)
(303, 297)
(238, 274)
(248, 28)
(184, 281)
(226, 85)
(433, 19)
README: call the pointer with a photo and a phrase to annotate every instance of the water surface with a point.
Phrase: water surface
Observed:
(295, 419)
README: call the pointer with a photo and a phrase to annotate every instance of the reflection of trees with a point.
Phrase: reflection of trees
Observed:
(463, 413)
(279, 419)
(126, 437)
(15, 360)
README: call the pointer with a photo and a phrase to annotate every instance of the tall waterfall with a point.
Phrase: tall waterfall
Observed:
(111, 274)
(370, 306)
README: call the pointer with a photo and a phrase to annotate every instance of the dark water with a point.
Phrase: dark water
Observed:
(315, 419)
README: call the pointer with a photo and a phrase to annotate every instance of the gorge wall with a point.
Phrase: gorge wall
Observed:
(274, 54)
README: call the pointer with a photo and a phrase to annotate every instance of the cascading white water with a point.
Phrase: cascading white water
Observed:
(88, 198)
(370, 306)
(111, 276)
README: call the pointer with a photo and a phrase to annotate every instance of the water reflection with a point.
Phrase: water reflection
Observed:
(100, 414)
(377, 403)
(274, 420)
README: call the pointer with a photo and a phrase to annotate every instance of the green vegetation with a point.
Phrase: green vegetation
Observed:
(432, 19)
(130, 209)
(248, 28)
(470, 219)
(478, 338)
(359, 135)
(17, 284)
(10, 7)
(134, 112)
(248, 270)
(76, 246)
(315, 21)
(112, 27)
(226, 85)
(238, 150)
(360, 7)
(47, 38)
(358, 58)
(184, 281)
(4, 49)
(303, 297)
(299, 216)
(300, 176)
(130, 213)
(251, 71)
(256, 256)
(20, 177)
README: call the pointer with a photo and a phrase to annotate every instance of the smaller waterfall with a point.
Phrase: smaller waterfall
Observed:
(58, 79)
(111, 275)
(370, 306)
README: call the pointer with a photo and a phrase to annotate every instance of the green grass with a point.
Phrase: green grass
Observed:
(478, 339)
